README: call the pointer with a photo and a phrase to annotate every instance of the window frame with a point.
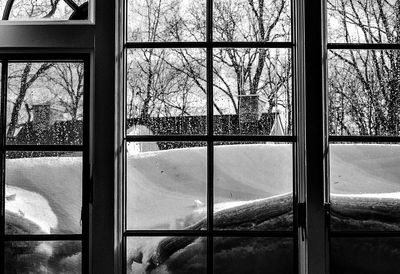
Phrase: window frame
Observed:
(101, 41)
(353, 139)
(298, 232)
(98, 43)
(83, 237)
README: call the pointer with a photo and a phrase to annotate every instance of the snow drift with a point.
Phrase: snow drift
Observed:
(167, 189)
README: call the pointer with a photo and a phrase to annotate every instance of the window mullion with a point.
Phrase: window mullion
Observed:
(315, 136)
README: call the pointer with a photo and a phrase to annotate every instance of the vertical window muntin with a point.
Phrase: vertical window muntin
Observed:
(210, 137)
(73, 240)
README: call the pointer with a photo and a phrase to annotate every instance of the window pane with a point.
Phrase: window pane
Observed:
(44, 10)
(236, 255)
(366, 21)
(253, 185)
(45, 103)
(364, 184)
(261, 21)
(166, 255)
(43, 257)
(166, 185)
(166, 92)
(365, 255)
(43, 192)
(252, 91)
(363, 92)
(166, 20)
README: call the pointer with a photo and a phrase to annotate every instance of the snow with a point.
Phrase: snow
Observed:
(48, 191)
(26, 204)
(166, 189)
(166, 186)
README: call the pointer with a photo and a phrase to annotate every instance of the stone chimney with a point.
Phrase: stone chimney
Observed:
(41, 116)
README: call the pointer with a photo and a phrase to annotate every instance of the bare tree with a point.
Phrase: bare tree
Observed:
(237, 71)
(364, 84)
(25, 80)
(69, 78)
(155, 86)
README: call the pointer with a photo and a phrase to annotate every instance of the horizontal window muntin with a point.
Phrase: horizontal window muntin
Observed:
(363, 46)
(209, 44)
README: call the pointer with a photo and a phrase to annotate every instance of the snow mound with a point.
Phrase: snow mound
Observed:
(31, 206)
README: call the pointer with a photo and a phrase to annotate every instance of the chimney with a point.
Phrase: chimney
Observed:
(41, 116)
(248, 113)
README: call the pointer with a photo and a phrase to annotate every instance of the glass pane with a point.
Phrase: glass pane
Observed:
(167, 255)
(365, 255)
(53, 257)
(45, 103)
(363, 92)
(27, 10)
(252, 21)
(236, 255)
(166, 185)
(252, 91)
(166, 20)
(366, 21)
(253, 185)
(166, 92)
(364, 184)
(43, 192)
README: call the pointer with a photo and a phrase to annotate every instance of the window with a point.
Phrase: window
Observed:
(212, 136)
(46, 137)
(209, 101)
(188, 80)
(45, 154)
(362, 92)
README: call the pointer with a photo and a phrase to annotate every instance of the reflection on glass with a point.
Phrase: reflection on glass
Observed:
(173, 255)
(364, 184)
(253, 185)
(27, 10)
(364, 255)
(166, 184)
(53, 257)
(252, 91)
(251, 21)
(45, 103)
(166, 21)
(366, 21)
(237, 255)
(166, 92)
(363, 92)
(43, 192)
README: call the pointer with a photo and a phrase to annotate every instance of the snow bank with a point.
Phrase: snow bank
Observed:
(165, 186)
(48, 191)
(25, 204)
